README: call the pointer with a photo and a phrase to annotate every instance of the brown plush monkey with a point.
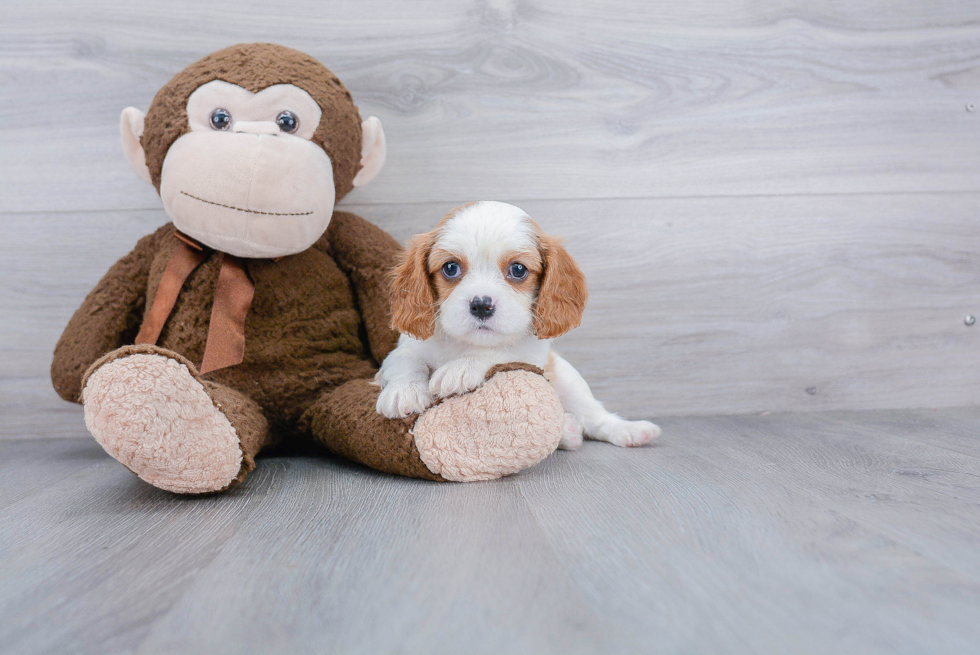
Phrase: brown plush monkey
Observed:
(260, 313)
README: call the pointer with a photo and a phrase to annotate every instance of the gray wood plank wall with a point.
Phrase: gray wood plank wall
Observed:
(775, 202)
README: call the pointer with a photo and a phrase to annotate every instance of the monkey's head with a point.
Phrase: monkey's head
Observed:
(250, 148)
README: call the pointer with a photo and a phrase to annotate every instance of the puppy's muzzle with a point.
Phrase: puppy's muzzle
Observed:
(482, 307)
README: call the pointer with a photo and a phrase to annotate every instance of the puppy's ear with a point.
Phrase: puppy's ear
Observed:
(413, 310)
(563, 292)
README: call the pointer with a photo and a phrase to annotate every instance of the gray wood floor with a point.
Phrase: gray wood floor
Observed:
(838, 532)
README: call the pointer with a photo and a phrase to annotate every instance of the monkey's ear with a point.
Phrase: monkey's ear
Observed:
(131, 129)
(373, 151)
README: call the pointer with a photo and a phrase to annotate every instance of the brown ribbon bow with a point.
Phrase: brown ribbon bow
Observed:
(232, 297)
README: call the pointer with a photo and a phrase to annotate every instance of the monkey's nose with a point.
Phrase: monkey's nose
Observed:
(256, 127)
(482, 307)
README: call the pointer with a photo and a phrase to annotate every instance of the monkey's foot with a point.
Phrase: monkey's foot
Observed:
(513, 421)
(148, 409)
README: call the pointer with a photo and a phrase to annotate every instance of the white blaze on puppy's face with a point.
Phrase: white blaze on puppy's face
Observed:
(484, 303)
(247, 179)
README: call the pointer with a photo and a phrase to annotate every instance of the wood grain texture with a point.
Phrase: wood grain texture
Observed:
(698, 306)
(810, 533)
(834, 535)
(533, 99)
(774, 201)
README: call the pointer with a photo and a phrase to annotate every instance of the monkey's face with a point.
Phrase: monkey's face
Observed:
(246, 179)
(250, 172)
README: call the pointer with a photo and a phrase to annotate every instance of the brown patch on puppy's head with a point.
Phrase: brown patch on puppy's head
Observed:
(256, 66)
(442, 286)
(563, 292)
(415, 289)
(413, 309)
(532, 260)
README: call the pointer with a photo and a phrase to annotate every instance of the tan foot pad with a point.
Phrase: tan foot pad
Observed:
(150, 413)
(510, 423)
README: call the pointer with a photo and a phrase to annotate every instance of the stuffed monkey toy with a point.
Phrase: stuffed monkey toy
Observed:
(261, 313)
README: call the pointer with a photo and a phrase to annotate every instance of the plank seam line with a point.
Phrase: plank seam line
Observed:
(345, 205)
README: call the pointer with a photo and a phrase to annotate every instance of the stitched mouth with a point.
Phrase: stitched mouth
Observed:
(242, 209)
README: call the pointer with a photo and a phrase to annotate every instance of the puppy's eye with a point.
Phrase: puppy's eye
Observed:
(287, 122)
(220, 119)
(451, 270)
(517, 271)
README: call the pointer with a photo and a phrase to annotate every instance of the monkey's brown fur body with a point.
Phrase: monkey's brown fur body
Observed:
(303, 335)
(316, 330)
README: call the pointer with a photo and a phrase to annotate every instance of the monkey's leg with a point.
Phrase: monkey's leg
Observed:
(150, 409)
(511, 422)
(346, 422)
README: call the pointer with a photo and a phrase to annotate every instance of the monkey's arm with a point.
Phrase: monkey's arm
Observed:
(366, 253)
(108, 318)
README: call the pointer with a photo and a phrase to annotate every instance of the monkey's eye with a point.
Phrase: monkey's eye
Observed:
(451, 270)
(287, 122)
(220, 119)
(517, 271)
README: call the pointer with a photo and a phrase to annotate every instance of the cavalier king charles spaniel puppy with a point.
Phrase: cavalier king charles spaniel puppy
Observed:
(488, 287)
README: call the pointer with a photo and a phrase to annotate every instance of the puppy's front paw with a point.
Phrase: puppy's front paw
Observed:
(571, 433)
(401, 400)
(456, 377)
(628, 434)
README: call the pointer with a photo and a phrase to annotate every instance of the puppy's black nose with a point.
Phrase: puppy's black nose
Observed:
(482, 307)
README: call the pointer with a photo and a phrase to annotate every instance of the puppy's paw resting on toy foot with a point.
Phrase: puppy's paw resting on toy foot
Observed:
(457, 377)
(152, 414)
(402, 400)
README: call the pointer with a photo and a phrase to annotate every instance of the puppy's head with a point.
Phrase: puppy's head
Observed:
(487, 275)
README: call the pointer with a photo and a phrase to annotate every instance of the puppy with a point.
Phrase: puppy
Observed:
(488, 287)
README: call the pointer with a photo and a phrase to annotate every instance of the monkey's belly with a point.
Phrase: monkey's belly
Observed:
(288, 364)
(302, 332)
